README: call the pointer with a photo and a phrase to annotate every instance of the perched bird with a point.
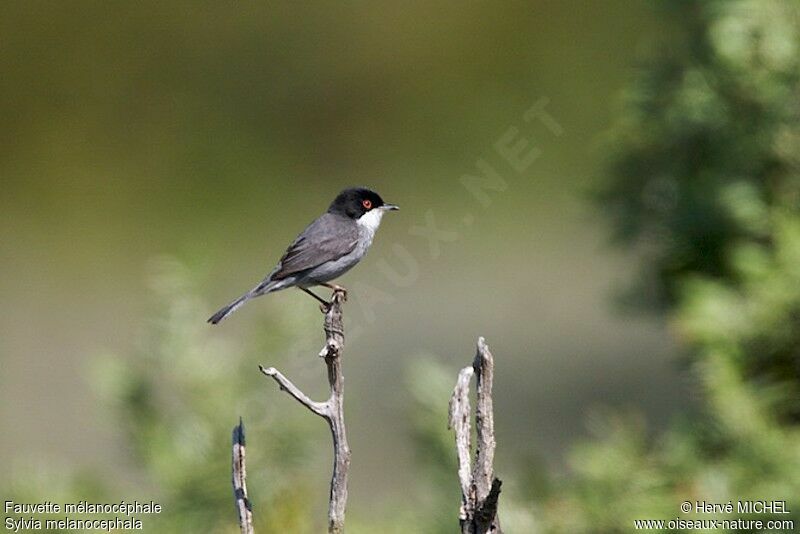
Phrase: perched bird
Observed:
(329, 247)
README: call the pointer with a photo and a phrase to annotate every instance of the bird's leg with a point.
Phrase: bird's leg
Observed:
(336, 289)
(324, 304)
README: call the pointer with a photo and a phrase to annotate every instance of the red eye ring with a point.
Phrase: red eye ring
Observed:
(367, 203)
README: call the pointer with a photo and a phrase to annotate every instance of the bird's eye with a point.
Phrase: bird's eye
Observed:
(366, 203)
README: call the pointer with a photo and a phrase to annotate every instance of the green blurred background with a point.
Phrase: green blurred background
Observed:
(156, 159)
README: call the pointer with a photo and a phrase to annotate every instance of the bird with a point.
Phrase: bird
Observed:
(329, 247)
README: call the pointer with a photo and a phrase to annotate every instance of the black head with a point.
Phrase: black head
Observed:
(356, 201)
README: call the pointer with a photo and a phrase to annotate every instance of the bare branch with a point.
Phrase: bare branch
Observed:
(482, 471)
(334, 343)
(239, 477)
(334, 327)
(332, 410)
(319, 408)
(459, 413)
(480, 490)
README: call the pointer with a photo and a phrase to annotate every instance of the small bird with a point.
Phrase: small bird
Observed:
(329, 247)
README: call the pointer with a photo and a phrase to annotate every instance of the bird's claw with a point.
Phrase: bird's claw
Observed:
(339, 295)
(341, 291)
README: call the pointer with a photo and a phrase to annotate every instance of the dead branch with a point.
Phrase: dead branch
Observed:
(239, 476)
(480, 490)
(332, 410)
(459, 421)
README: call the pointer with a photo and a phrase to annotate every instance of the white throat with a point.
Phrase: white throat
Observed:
(371, 220)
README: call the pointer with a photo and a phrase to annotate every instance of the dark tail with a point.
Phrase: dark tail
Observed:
(267, 286)
(229, 309)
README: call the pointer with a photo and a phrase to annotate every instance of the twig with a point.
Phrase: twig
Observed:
(286, 385)
(331, 410)
(480, 490)
(239, 476)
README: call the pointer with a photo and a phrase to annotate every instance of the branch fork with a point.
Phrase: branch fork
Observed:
(332, 410)
(480, 489)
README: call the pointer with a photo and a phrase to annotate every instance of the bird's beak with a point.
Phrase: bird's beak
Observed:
(390, 207)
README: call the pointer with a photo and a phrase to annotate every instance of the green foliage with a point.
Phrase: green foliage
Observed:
(178, 400)
(708, 140)
(175, 402)
(430, 385)
(704, 180)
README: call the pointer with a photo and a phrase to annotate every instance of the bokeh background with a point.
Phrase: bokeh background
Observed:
(635, 269)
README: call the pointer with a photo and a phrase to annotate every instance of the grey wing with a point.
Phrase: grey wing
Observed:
(327, 238)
